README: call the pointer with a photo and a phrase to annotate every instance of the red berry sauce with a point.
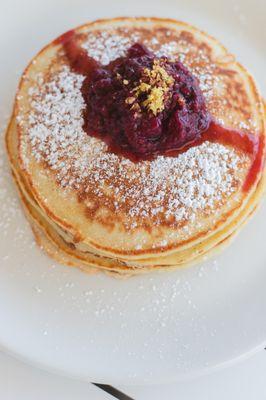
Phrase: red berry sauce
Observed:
(125, 123)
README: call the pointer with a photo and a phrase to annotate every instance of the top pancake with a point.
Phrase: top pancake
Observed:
(109, 203)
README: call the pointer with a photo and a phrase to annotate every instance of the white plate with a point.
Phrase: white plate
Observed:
(154, 328)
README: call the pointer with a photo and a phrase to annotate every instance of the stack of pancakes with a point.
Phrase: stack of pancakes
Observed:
(97, 210)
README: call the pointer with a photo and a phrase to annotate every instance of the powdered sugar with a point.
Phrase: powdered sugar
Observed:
(105, 47)
(56, 125)
(195, 180)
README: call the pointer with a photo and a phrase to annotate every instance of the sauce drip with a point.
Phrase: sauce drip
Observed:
(253, 145)
(79, 59)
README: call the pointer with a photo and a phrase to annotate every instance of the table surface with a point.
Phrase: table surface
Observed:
(245, 380)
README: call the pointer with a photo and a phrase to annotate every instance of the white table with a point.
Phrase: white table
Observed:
(244, 381)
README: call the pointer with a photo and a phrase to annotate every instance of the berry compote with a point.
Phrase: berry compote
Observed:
(144, 105)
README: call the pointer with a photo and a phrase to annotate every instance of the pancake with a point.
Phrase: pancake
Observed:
(60, 250)
(100, 210)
